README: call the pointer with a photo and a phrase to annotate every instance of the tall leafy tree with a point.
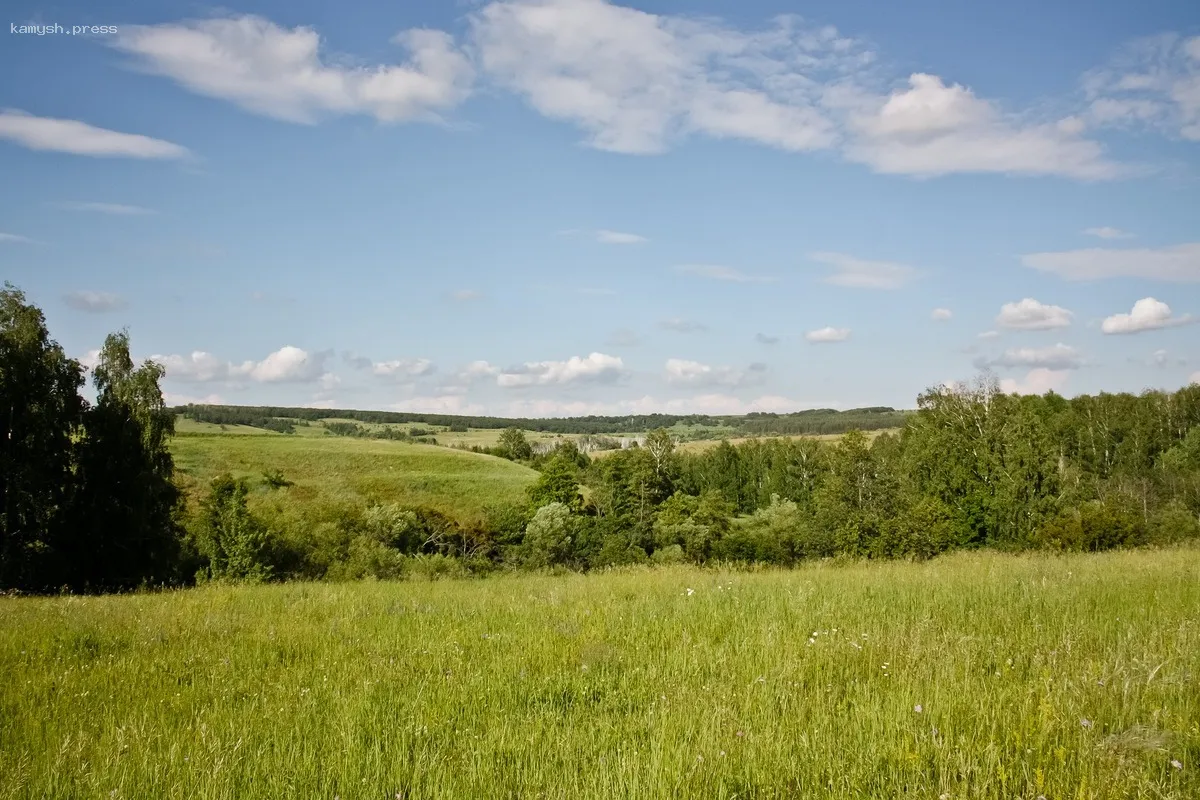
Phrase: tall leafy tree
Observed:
(124, 524)
(40, 412)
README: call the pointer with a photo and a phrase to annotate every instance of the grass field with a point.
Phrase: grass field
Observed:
(974, 675)
(331, 469)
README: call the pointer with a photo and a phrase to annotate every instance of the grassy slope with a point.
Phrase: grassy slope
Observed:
(333, 469)
(801, 683)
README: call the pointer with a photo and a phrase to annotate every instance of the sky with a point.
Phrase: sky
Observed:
(567, 207)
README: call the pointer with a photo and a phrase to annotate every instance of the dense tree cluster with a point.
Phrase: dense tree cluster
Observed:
(87, 491)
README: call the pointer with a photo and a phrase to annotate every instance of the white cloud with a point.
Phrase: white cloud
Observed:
(1030, 315)
(931, 129)
(636, 82)
(1037, 381)
(1178, 263)
(117, 209)
(692, 373)
(1195, 378)
(1148, 314)
(405, 368)
(828, 335)
(617, 237)
(72, 136)
(465, 295)
(1105, 232)
(1054, 357)
(439, 404)
(90, 359)
(286, 365)
(14, 238)
(1151, 82)
(478, 369)
(596, 367)
(857, 273)
(680, 325)
(199, 367)
(941, 314)
(173, 399)
(95, 302)
(280, 72)
(716, 404)
(718, 273)
(989, 334)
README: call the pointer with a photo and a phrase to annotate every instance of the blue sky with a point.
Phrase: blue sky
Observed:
(551, 207)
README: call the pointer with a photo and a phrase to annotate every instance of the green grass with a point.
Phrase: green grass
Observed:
(646, 684)
(328, 470)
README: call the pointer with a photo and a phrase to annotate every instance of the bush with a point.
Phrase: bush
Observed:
(1093, 527)
(548, 537)
(1172, 523)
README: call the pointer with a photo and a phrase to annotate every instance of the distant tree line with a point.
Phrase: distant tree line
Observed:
(386, 432)
(817, 421)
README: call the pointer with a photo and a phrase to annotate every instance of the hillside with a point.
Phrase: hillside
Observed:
(329, 470)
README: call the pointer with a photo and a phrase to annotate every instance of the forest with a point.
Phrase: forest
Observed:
(92, 502)
(812, 421)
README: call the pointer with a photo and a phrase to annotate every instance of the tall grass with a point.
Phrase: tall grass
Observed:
(975, 675)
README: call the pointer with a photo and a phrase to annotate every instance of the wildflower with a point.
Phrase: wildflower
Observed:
(741, 734)
(811, 640)
(691, 592)
(722, 753)
(917, 708)
(1176, 763)
(1087, 723)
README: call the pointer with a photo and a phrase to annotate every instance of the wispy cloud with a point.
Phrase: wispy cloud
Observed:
(465, 295)
(857, 273)
(80, 138)
(719, 273)
(828, 335)
(15, 239)
(117, 209)
(1178, 263)
(1105, 232)
(95, 302)
(619, 237)
(680, 325)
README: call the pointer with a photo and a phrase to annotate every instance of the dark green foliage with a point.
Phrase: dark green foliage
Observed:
(514, 446)
(558, 483)
(815, 421)
(273, 479)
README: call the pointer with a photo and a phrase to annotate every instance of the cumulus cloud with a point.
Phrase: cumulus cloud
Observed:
(478, 369)
(1148, 314)
(713, 403)
(281, 72)
(1152, 82)
(1105, 232)
(680, 325)
(857, 273)
(931, 128)
(941, 314)
(286, 365)
(828, 335)
(596, 367)
(1053, 357)
(404, 368)
(1037, 381)
(95, 302)
(718, 273)
(762, 338)
(636, 82)
(1031, 315)
(80, 138)
(682, 372)
(1178, 263)
(116, 209)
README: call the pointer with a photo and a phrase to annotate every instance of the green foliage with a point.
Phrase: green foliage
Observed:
(233, 539)
(548, 537)
(514, 446)
(558, 483)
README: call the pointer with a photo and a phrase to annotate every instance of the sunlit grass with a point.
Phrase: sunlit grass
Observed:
(329, 470)
(976, 675)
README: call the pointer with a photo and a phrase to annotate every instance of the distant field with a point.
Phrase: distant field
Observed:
(332, 469)
(978, 675)
(697, 447)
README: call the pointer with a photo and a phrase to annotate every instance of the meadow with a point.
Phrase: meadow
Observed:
(974, 675)
(327, 471)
